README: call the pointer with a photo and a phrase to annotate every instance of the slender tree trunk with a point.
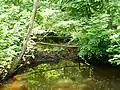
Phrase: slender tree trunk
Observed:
(18, 60)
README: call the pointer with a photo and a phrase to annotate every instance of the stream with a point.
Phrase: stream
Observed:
(67, 75)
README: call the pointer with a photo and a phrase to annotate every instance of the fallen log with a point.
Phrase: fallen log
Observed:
(42, 57)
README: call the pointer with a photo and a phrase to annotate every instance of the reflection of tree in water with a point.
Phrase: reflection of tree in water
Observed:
(72, 77)
(80, 77)
(76, 73)
(99, 81)
(106, 78)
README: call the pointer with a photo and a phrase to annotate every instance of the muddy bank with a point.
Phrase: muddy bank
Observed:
(50, 57)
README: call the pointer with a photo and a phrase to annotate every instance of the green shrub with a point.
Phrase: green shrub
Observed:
(13, 27)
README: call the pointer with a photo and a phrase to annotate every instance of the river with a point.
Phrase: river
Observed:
(67, 75)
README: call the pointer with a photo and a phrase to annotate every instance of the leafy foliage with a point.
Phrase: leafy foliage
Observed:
(87, 28)
(94, 38)
(89, 22)
(13, 26)
(114, 48)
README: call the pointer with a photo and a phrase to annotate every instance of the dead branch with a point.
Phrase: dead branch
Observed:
(58, 45)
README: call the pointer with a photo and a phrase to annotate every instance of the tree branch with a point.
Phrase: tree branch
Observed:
(58, 45)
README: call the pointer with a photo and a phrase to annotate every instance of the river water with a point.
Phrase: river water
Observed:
(70, 76)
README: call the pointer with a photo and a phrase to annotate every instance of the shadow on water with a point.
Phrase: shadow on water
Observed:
(68, 76)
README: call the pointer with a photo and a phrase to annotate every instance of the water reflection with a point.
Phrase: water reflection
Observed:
(68, 76)
(84, 78)
(94, 78)
(108, 78)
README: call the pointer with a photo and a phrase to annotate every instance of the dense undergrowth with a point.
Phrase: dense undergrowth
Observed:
(13, 26)
(92, 24)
